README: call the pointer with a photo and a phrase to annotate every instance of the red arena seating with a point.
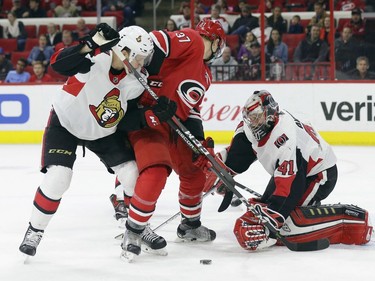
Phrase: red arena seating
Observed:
(30, 43)
(8, 45)
(31, 31)
(17, 55)
(292, 40)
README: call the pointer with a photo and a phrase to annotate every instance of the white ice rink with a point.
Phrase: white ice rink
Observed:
(78, 244)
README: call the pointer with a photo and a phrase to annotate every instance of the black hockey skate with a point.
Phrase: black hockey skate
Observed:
(194, 231)
(153, 243)
(31, 241)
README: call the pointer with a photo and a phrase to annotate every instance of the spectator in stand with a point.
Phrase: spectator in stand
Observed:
(215, 16)
(276, 20)
(311, 49)
(82, 30)
(268, 7)
(295, 25)
(40, 75)
(245, 50)
(53, 35)
(128, 7)
(170, 25)
(276, 49)
(34, 10)
(5, 65)
(347, 49)
(254, 63)
(15, 28)
(66, 10)
(357, 24)
(320, 15)
(361, 72)
(18, 9)
(67, 40)
(19, 75)
(348, 5)
(224, 68)
(325, 31)
(267, 31)
(185, 20)
(238, 8)
(199, 8)
(311, 4)
(223, 6)
(41, 53)
(245, 23)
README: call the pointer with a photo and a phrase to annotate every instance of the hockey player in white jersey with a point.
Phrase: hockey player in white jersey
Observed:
(303, 173)
(87, 112)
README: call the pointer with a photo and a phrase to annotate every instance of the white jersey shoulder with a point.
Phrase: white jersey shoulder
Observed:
(289, 139)
(90, 105)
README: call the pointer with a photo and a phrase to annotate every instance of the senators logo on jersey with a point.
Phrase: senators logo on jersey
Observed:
(109, 112)
(191, 92)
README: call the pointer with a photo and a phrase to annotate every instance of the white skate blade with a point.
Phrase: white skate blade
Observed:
(26, 259)
(121, 223)
(158, 252)
(127, 256)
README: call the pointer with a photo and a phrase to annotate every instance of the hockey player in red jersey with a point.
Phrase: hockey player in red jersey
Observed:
(182, 74)
(303, 173)
(87, 112)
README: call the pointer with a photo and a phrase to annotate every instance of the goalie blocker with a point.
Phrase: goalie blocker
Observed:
(340, 223)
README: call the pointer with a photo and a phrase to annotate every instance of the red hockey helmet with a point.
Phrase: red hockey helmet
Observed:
(212, 30)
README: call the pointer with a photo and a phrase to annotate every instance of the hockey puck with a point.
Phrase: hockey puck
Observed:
(205, 261)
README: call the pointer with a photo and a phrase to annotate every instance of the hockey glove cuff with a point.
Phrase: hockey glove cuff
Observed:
(162, 111)
(103, 37)
(201, 160)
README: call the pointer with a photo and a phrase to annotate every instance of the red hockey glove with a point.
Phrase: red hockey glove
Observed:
(250, 231)
(213, 180)
(201, 160)
(162, 111)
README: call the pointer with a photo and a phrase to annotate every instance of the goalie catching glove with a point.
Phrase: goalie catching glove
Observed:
(250, 231)
(103, 37)
(162, 111)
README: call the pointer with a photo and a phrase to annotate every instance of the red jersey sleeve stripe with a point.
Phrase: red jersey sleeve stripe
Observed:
(161, 40)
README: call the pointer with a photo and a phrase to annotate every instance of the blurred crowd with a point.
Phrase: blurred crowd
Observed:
(295, 49)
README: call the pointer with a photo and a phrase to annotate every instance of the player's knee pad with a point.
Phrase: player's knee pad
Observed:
(127, 174)
(56, 181)
(340, 223)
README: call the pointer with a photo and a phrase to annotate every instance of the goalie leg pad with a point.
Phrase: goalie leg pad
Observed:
(340, 223)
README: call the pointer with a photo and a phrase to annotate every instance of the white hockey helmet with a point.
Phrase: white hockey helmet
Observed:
(137, 40)
(260, 113)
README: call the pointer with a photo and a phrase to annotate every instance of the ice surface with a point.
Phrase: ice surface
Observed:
(79, 242)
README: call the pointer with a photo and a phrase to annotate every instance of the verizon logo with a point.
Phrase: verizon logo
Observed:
(346, 111)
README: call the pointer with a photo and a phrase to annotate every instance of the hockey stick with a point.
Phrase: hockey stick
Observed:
(226, 178)
(121, 235)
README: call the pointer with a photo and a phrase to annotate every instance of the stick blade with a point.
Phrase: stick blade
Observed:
(315, 245)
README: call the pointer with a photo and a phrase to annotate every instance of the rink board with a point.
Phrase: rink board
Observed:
(344, 113)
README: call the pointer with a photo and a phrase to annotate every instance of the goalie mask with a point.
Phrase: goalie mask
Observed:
(212, 30)
(138, 41)
(260, 113)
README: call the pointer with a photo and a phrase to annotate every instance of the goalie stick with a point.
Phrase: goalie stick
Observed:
(226, 178)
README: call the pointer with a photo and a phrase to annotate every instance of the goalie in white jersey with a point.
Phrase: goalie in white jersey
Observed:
(303, 173)
(87, 111)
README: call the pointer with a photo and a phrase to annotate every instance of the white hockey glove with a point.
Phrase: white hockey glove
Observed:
(250, 231)
(103, 37)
